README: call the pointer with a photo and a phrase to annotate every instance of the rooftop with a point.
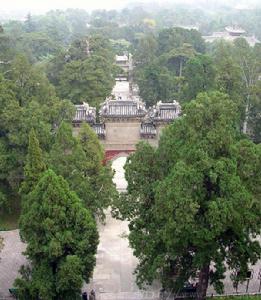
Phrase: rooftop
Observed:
(235, 30)
(230, 34)
(123, 108)
(165, 111)
(85, 113)
(120, 58)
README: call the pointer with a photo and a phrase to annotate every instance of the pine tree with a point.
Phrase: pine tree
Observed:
(61, 239)
(79, 161)
(34, 164)
(99, 175)
(92, 148)
(194, 203)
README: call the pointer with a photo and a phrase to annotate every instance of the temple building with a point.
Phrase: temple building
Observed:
(84, 113)
(123, 118)
(230, 34)
(125, 122)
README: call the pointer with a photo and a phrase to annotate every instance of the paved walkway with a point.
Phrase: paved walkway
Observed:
(113, 277)
(11, 260)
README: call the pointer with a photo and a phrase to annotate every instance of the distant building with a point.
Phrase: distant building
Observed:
(230, 34)
(189, 27)
(125, 63)
(84, 113)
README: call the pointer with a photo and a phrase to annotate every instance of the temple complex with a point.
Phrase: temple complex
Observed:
(124, 119)
(230, 34)
(125, 122)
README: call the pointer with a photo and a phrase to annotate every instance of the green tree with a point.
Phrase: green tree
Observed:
(161, 76)
(29, 24)
(193, 204)
(146, 49)
(175, 37)
(248, 60)
(79, 160)
(199, 76)
(156, 83)
(27, 100)
(175, 61)
(228, 79)
(61, 238)
(237, 73)
(99, 175)
(90, 80)
(34, 165)
(254, 114)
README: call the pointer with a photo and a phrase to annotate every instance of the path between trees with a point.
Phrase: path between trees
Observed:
(113, 277)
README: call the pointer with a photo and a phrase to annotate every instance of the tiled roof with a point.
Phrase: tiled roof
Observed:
(85, 113)
(123, 108)
(231, 34)
(165, 111)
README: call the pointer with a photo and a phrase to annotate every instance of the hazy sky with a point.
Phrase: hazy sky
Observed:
(44, 5)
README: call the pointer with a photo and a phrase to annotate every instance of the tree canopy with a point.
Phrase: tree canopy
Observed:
(79, 160)
(193, 204)
(34, 164)
(61, 238)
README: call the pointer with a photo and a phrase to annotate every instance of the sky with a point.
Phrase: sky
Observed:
(45, 5)
(40, 6)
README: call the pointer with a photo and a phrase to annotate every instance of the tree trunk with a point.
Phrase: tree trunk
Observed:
(203, 282)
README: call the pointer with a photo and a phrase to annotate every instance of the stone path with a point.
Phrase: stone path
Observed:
(11, 260)
(113, 277)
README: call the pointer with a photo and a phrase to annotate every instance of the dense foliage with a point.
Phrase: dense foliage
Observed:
(32, 90)
(84, 72)
(177, 68)
(27, 100)
(79, 160)
(61, 238)
(194, 203)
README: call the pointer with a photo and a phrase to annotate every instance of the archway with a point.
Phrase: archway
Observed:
(111, 155)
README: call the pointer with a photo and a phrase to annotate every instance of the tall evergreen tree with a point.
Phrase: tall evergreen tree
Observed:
(61, 239)
(80, 161)
(92, 148)
(194, 203)
(34, 166)
(199, 76)
(98, 174)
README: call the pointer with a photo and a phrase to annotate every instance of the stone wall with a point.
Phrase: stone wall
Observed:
(124, 135)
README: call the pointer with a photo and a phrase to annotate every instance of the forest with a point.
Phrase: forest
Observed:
(200, 188)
